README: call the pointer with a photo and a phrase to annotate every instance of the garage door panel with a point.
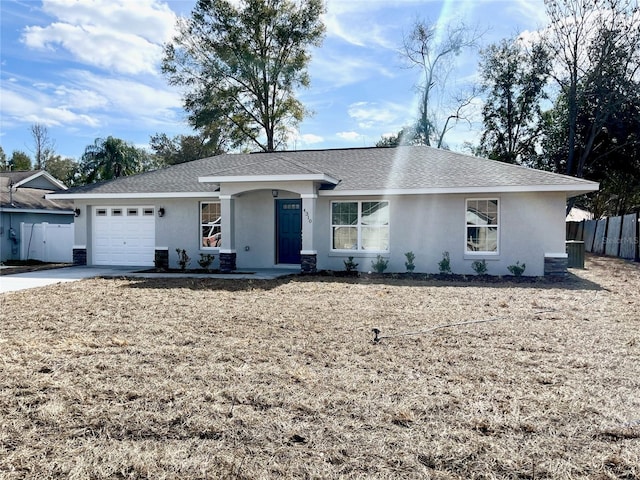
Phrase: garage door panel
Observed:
(124, 236)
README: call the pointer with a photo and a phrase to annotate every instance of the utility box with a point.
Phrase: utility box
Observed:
(575, 252)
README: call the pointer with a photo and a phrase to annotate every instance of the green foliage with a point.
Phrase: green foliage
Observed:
(514, 77)
(186, 148)
(242, 63)
(183, 259)
(350, 265)
(111, 158)
(205, 261)
(409, 265)
(3, 159)
(66, 170)
(20, 161)
(517, 270)
(380, 264)
(445, 264)
(480, 267)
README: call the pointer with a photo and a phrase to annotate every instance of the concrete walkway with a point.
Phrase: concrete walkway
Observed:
(41, 278)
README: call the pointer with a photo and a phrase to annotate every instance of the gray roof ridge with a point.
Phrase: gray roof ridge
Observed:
(279, 156)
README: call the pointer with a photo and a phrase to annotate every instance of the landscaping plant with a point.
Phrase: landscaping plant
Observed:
(206, 260)
(445, 263)
(350, 265)
(517, 269)
(480, 267)
(410, 266)
(183, 258)
(380, 264)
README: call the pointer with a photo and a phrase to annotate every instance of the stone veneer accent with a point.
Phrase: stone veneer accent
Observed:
(79, 256)
(308, 263)
(161, 259)
(555, 266)
(227, 262)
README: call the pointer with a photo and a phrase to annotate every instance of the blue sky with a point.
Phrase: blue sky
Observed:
(88, 69)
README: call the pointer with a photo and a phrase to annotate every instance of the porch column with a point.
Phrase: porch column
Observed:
(308, 254)
(227, 250)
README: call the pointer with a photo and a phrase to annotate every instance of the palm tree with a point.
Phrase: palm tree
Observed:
(111, 158)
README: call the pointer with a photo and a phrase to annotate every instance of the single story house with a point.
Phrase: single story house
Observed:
(314, 209)
(23, 202)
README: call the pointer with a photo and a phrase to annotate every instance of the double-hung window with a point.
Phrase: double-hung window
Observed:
(210, 224)
(483, 224)
(360, 226)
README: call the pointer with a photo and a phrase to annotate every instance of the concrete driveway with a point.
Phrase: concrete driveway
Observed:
(41, 278)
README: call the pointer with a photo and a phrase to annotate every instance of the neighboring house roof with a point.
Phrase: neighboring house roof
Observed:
(25, 191)
(358, 171)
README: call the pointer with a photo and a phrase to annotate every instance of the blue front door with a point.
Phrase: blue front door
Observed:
(288, 230)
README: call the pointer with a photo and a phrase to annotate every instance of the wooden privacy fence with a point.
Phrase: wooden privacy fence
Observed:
(612, 236)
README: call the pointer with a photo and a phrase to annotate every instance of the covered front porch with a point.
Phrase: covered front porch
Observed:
(268, 221)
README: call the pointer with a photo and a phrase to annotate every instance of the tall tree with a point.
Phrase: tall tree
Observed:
(3, 159)
(66, 170)
(19, 161)
(514, 79)
(431, 48)
(43, 145)
(109, 158)
(583, 38)
(185, 148)
(241, 65)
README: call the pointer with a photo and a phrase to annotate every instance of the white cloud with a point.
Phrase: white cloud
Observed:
(114, 35)
(370, 115)
(311, 139)
(350, 136)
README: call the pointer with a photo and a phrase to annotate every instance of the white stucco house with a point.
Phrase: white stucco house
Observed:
(314, 209)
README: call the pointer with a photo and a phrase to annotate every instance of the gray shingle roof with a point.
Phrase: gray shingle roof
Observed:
(359, 169)
(25, 197)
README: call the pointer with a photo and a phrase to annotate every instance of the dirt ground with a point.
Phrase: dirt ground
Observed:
(200, 378)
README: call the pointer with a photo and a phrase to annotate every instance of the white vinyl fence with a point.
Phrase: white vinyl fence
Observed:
(47, 242)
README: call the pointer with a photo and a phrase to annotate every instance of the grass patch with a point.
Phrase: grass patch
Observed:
(202, 378)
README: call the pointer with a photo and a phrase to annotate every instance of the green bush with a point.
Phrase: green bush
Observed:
(409, 263)
(183, 258)
(206, 260)
(480, 267)
(350, 265)
(380, 265)
(445, 263)
(517, 269)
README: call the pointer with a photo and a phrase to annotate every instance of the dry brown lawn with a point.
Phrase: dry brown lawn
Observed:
(199, 378)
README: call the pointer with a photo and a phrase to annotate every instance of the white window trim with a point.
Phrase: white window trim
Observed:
(200, 224)
(497, 226)
(358, 251)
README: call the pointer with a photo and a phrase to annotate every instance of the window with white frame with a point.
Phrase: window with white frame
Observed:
(210, 224)
(360, 226)
(482, 216)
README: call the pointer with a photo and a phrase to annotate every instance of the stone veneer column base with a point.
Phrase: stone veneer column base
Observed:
(556, 265)
(161, 259)
(308, 263)
(227, 261)
(79, 256)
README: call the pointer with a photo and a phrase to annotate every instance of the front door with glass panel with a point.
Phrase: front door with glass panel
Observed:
(288, 230)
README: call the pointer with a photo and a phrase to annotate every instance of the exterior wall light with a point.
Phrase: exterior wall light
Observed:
(161, 212)
(274, 193)
(76, 212)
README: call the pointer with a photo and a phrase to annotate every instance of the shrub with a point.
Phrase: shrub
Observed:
(380, 265)
(409, 263)
(206, 260)
(183, 258)
(350, 265)
(517, 269)
(445, 263)
(480, 267)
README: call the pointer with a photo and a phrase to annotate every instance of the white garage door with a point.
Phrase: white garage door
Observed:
(124, 235)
